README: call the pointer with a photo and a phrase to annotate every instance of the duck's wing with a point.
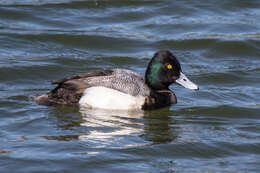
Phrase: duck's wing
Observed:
(123, 80)
(96, 73)
(70, 89)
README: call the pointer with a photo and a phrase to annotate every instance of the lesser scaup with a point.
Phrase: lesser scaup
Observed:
(122, 88)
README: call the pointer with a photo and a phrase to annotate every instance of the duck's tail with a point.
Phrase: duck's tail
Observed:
(42, 100)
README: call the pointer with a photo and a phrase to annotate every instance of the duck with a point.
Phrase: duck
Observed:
(121, 89)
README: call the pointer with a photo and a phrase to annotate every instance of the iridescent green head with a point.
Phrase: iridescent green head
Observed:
(163, 70)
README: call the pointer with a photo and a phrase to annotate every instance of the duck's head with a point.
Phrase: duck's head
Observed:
(163, 70)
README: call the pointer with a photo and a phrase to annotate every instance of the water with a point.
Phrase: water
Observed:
(216, 129)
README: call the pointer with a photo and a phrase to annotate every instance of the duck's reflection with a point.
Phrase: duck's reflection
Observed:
(160, 126)
(127, 127)
(117, 128)
(111, 127)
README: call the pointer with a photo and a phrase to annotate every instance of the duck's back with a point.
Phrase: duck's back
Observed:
(70, 90)
(123, 80)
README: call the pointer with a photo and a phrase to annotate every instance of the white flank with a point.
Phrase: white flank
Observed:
(106, 98)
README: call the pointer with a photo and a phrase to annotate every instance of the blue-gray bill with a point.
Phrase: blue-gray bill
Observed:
(185, 82)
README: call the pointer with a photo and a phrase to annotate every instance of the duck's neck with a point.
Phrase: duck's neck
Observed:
(160, 99)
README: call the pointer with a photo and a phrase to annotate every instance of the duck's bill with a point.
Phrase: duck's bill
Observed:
(185, 82)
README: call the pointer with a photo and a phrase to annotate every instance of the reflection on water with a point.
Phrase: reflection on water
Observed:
(160, 127)
(111, 127)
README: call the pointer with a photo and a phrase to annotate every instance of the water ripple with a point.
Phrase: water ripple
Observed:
(215, 129)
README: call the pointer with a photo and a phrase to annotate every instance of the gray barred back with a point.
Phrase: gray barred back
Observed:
(122, 80)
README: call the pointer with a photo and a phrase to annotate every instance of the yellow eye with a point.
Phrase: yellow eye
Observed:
(169, 66)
